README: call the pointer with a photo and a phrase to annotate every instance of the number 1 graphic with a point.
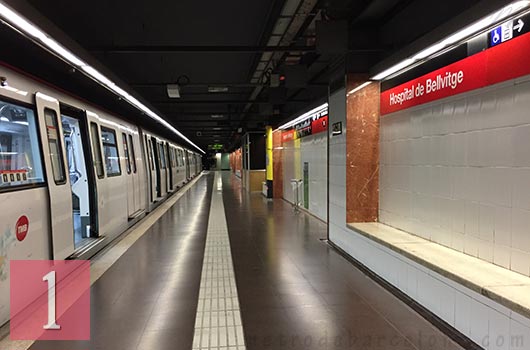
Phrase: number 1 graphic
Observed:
(50, 278)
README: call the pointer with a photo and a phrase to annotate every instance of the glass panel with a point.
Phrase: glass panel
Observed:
(126, 150)
(181, 161)
(110, 152)
(20, 160)
(133, 154)
(96, 150)
(54, 144)
(162, 156)
(149, 154)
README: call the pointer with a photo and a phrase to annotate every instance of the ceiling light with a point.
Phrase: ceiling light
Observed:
(217, 89)
(315, 112)
(362, 86)
(173, 91)
(464, 34)
(217, 116)
(37, 35)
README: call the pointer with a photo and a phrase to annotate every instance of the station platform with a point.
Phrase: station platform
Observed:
(225, 269)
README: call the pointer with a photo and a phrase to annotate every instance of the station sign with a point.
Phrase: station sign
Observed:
(497, 64)
(509, 30)
(312, 126)
(215, 147)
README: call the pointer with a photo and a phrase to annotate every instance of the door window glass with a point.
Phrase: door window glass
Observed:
(110, 152)
(126, 151)
(162, 156)
(133, 155)
(96, 150)
(20, 157)
(54, 146)
(180, 160)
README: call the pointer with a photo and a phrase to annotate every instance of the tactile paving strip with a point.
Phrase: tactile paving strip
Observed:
(218, 321)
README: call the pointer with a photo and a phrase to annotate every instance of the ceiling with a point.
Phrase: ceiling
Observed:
(221, 44)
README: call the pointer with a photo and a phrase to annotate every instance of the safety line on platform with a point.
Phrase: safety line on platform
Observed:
(218, 322)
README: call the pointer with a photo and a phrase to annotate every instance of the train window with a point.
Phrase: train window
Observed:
(133, 154)
(126, 151)
(20, 160)
(110, 152)
(96, 149)
(54, 146)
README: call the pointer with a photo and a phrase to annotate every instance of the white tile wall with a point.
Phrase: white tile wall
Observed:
(314, 150)
(451, 215)
(487, 323)
(457, 171)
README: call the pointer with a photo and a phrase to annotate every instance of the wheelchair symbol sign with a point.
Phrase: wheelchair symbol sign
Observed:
(496, 36)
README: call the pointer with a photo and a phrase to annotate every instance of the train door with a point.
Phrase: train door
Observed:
(165, 168)
(59, 191)
(138, 197)
(133, 183)
(82, 181)
(150, 169)
(180, 170)
(188, 170)
(169, 168)
(156, 160)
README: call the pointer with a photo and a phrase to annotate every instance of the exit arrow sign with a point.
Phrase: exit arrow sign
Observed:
(519, 26)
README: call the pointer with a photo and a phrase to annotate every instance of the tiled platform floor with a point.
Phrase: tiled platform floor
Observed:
(294, 291)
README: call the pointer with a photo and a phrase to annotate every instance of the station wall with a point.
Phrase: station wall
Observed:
(457, 172)
(308, 153)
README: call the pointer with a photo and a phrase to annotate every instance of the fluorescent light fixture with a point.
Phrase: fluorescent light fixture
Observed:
(173, 90)
(36, 34)
(98, 76)
(62, 52)
(217, 89)
(217, 116)
(318, 111)
(362, 86)
(464, 34)
(394, 69)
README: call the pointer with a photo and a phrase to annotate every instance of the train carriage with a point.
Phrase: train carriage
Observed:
(72, 176)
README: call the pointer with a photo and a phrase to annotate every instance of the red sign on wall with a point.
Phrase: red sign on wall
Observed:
(287, 136)
(500, 63)
(319, 125)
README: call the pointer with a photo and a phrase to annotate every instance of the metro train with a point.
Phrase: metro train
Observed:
(72, 176)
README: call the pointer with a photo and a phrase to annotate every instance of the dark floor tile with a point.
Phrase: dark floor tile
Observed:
(164, 340)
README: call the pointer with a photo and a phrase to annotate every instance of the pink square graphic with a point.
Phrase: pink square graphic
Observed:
(32, 298)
